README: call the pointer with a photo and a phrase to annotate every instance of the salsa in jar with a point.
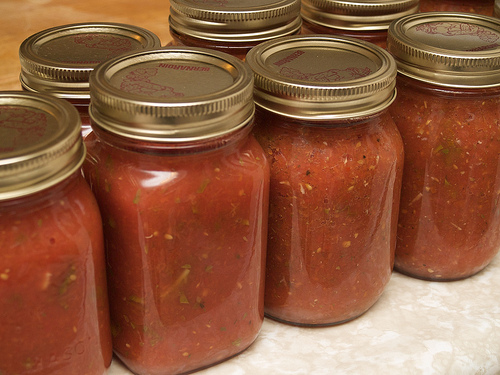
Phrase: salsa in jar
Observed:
(232, 26)
(58, 61)
(484, 7)
(53, 294)
(183, 189)
(366, 20)
(336, 161)
(448, 112)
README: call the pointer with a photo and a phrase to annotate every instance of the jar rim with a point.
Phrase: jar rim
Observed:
(356, 15)
(235, 21)
(59, 60)
(448, 49)
(41, 143)
(322, 76)
(174, 94)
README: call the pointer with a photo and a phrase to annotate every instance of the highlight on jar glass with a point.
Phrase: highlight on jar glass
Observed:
(59, 60)
(367, 20)
(448, 112)
(183, 188)
(336, 161)
(232, 26)
(484, 7)
(53, 295)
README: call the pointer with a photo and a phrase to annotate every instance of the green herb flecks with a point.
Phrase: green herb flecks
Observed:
(137, 196)
(68, 280)
(203, 186)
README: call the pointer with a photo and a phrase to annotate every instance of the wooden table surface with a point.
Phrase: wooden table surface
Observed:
(21, 18)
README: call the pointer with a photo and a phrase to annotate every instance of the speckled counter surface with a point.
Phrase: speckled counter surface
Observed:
(416, 327)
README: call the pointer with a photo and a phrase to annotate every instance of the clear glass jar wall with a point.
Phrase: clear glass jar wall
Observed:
(336, 163)
(183, 189)
(53, 293)
(448, 111)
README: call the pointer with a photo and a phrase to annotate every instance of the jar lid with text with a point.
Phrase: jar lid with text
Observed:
(357, 15)
(235, 20)
(447, 49)
(40, 142)
(322, 77)
(59, 60)
(175, 94)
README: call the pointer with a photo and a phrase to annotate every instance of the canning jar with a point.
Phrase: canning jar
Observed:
(484, 7)
(53, 297)
(336, 163)
(496, 10)
(183, 189)
(59, 60)
(367, 20)
(232, 26)
(448, 112)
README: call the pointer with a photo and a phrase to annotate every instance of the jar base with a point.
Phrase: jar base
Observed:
(311, 325)
(437, 279)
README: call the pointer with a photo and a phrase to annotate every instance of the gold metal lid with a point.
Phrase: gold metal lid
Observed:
(447, 49)
(235, 20)
(174, 94)
(40, 142)
(59, 60)
(357, 15)
(322, 77)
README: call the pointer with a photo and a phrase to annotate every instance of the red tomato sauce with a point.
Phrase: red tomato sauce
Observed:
(334, 199)
(377, 37)
(185, 237)
(53, 296)
(237, 49)
(471, 6)
(449, 224)
(82, 105)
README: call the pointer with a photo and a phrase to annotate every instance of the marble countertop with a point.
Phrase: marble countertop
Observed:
(417, 327)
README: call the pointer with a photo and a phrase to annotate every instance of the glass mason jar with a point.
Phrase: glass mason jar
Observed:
(367, 20)
(53, 296)
(232, 26)
(59, 60)
(484, 7)
(336, 163)
(183, 188)
(448, 111)
(496, 10)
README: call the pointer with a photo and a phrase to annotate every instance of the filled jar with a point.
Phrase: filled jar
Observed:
(448, 112)
(183, 190)
(59, 60)
(367, 20)
(53, 294)
(484, 7)
(232, 26)
(336, 161)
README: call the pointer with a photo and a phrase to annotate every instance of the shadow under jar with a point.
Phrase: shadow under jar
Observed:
(448, 112)
(183, 190)
(53, 296)
(336, 161)
(232, 26)
(58, 61)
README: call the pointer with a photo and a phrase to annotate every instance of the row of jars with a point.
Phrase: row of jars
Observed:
(216, 190)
